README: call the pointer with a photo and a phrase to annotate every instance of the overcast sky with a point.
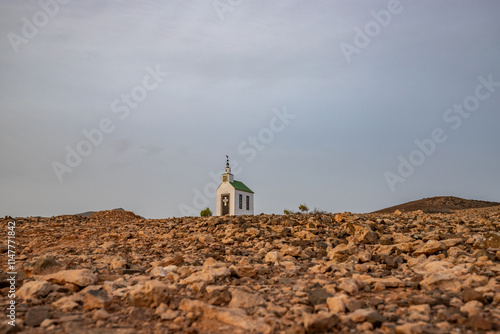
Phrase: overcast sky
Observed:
(316, 102)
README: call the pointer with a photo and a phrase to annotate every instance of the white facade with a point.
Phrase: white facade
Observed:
(234, 198)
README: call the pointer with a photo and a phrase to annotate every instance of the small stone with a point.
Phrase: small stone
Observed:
(452, 242)
(318, 296)
(379, 287)
(253, 232)
(320, 322)
(161, 309)
(364, 234)
(118, 263)
(415, 316)
(71, 287)
(219, 297)
(336, 304)
(169, 314)
(405, 247)
(276, 309)
(100, 315)
(370, 315)
(206, 239)
(247, 271)
(199, 287)
(423, 308)
(44, 266)
(126, 235)
(305, 235)
(290, 251)
(137, 314)
(430, 247)
(151, 294)
(70, 318)
(48, 322)
(350, 286)
(232, 316)
(455, 252)
(209, 274)
(34, 289)
(456, 302)
(339, 218)
(107, 246)
(445, 326)
(243, 299)
(158, 272)
(471, 294)
(385, 250)
(272, 257)
(353, 304)
(365, 327)
(96, 299)
(411, 328)
(472, 308)
(340, 252)
(68, 303)
(36, 315)
(478, 322)
(444, 281)
(365, 256)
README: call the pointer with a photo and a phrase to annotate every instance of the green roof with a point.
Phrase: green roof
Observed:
(241, 186)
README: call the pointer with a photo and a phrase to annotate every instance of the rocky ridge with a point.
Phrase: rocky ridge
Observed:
(439, 204)
(312, 273)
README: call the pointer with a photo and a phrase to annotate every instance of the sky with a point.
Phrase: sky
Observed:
(342, 105)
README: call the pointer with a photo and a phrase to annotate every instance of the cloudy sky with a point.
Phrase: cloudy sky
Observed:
(342, 105)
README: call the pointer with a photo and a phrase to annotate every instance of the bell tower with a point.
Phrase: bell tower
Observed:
(227, 176)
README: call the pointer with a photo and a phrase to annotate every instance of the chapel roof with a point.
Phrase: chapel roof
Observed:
(241, 186)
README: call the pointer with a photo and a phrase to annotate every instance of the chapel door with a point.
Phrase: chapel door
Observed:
(225, 204)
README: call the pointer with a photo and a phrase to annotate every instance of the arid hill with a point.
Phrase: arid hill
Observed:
(116, 214)
(398, 273)
(90, 213)
(440, 204)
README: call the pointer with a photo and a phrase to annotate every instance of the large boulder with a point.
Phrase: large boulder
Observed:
(80, 277)
(34, 289)
(151, 294)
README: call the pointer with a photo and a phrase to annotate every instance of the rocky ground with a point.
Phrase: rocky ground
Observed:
(115, 272)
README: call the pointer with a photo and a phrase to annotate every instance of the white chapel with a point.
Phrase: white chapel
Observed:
(233, 197)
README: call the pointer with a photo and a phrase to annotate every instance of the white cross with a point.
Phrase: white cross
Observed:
(225, 201)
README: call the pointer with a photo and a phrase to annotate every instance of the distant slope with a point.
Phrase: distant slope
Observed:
(440, 204)
(90, 213)
(117, 214)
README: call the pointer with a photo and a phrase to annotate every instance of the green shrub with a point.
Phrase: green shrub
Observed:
(206, 213)
(303, 208)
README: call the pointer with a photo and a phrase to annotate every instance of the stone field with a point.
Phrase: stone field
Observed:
(115, 272)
